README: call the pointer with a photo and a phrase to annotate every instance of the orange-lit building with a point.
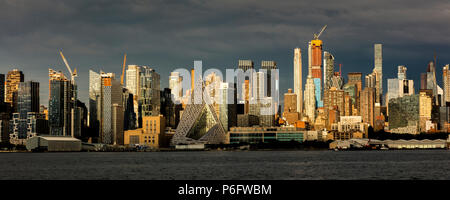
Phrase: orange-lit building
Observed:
(152, 133)
(316, 59)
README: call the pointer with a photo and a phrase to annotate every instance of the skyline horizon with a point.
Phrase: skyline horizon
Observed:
(164, 79)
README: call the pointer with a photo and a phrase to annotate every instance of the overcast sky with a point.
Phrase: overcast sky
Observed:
(166, 35)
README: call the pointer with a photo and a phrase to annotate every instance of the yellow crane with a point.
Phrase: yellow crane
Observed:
(316, 36)
(123, 68)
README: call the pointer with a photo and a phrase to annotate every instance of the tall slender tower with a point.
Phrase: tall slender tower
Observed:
(309, 98)
(379, 74)
(298, 80)
(328, 69)
(446, 80)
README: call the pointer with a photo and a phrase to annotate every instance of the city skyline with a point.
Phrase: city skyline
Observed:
(164, 41)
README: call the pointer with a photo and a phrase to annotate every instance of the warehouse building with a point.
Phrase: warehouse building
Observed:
(53, 143)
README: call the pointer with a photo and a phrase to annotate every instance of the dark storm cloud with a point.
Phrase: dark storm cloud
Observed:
(171, 34)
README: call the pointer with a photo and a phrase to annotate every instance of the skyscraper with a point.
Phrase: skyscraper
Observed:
(227, 106)
(379, 69)
(176, 86)
(431, 83)
(13, 79)
(309, 99)
(94, 101)
(132, 84)
(355, 78)
(244, 97)
(129, 121)
(2, 88)
(315, 66)
(328, 71)
(400, 86)
(111, 110)
(28, 98)
(446, 80)
(245, 65)
(149, 93)
(298, 79)
(332, 98)
(61, 103)
(268, 66)
(290, 107)
(27, 122)
(367, 104)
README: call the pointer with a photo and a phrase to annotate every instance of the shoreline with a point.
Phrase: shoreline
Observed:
(221, 150)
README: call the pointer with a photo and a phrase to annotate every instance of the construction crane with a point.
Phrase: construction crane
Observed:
(316, 36)
(72, 74)
(74, 95)
(123, 68)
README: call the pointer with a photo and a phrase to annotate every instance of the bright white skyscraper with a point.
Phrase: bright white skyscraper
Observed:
(176, 86)
(298, 82)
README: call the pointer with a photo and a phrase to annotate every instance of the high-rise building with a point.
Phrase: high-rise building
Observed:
(328, 71)
(176, 86)
(355, 78)
(379, 75)
(446, 80)
(404, 114)
(267, 67)
(132, 84)
(400, 86)
(431, 80)
(315, 52)
(149, 91)
(351, 91)
(258, 85)
(309, 99)
(129, 121)
(144, 83)
(298, 79)
(28, 121)
(28, 98)
(227, 106)
(367, 104)
(425, 108)
(22, 129)
(290, 107)
(95, 91)
(111, 110)
(401, 74)
(13, 79)
(337, 81)
(315, 69)
(4, 127)
(62, 107)
(244, 97)
(245, 65)
(334, 98)
(2, 88)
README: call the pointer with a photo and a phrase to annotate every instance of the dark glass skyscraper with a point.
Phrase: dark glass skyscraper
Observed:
(28, 98)
(56, 107)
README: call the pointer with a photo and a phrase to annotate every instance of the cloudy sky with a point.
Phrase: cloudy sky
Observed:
(166, 35)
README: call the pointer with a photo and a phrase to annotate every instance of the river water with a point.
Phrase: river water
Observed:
(228, 165)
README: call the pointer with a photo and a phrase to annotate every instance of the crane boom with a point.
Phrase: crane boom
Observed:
(67, 65)
(320, 33)
(123, 68)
